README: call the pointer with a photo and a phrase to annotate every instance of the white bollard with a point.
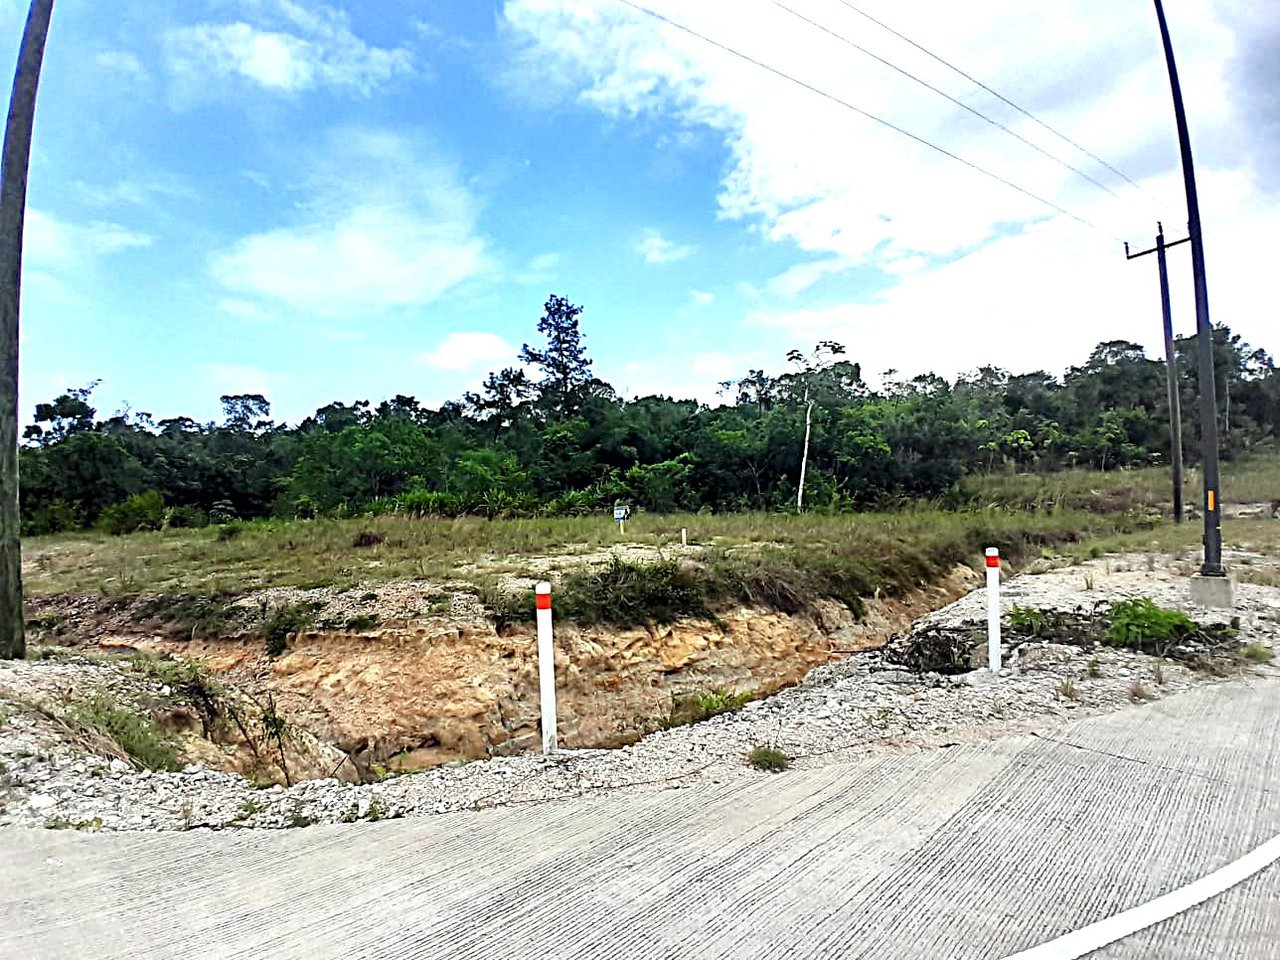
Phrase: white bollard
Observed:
(684, 536)
(993, 609)
(546, 667)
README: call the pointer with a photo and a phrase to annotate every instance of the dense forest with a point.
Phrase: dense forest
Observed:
(550, 438)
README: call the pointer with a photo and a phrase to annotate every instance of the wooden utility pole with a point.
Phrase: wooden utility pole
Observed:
(1171, 363)
(13, 204)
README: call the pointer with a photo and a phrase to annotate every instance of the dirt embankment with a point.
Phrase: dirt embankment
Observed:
(425, 688)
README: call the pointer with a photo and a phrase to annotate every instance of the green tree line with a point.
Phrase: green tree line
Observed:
(550, 438)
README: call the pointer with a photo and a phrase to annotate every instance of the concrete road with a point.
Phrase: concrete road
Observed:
(967, 852)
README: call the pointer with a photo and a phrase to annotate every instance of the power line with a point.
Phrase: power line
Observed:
(942, 93)
(870, 116)
(999, 96)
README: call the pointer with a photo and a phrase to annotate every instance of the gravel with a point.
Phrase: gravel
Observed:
(842, 710)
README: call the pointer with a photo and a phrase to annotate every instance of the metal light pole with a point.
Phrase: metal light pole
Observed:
(14, 164)
(1212, 566)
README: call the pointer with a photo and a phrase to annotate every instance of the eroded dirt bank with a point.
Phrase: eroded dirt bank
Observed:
(427, 686)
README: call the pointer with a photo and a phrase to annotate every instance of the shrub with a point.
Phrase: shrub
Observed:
(141, 511)
(367, 538)
(223, 511)
(137, 736)
(188, 518)
(192, 615)
(57, 517)
(290, 618)
(229, 531)
(627, 594)
(1142, 625)
(768, 759)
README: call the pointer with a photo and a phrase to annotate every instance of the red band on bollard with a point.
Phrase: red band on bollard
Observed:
(543, 601)
(993, 561)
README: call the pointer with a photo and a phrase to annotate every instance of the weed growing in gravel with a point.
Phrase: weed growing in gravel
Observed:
(769, 759)
(1137, 691)
(290, 618)
(1067, 689)
(1256, 652)
(298, 820)
(1093, 669)
(247, 809)
(1157, 673)
(62, 823)
(702, 706)
(1142, 625)
(1026, 620)
(135, 735)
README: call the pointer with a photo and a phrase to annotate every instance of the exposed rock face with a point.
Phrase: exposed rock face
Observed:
(421, 690)
(424, 694)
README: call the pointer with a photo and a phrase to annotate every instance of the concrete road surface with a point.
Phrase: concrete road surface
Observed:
(967, 852)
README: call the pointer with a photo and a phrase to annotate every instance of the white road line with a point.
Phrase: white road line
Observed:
(1098, 935)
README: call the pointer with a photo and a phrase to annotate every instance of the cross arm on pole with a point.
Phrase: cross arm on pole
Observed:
(1135, 256)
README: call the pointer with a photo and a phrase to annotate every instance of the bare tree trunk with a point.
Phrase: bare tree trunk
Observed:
(13, 204)
(804, 457)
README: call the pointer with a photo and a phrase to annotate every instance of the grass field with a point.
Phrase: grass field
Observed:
(1251, 480)
(779, 560)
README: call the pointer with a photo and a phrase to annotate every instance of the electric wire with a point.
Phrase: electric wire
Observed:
(1000, 96)
(942, 93)
(870, 116)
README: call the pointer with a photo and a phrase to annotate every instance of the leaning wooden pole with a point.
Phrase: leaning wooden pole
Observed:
(13, 205)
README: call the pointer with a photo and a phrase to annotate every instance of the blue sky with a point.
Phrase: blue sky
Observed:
(327, 201)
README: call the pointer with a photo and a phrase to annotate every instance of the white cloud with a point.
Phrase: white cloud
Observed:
(52, 243)
(655, 248)
(701, 296)
(314, 48)
(1000, 305)
(245, 310)
(847, 194)
(120, 62)
(386, 228)
(802, 276)
(467, 351)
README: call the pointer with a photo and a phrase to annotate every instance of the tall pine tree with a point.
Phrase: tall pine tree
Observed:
(566, 370)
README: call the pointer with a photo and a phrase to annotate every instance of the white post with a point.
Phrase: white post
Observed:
(546, 667)
(622, 528)
(684, 536)
(993, 609)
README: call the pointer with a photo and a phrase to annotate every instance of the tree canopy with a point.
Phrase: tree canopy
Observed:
(550, 438)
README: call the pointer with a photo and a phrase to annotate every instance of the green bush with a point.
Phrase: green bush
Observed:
(223, 511)
(1139, 623)
(188, 518)
(290, 618)
(137, 736)
(58, 517)
(141, 511)
(627, 594)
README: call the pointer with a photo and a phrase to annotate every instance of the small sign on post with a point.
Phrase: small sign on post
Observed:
(621, 513)
(546, 666)
(993, 609)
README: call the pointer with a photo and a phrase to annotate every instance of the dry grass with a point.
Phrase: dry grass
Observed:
(1250, 480)
(892, 551)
